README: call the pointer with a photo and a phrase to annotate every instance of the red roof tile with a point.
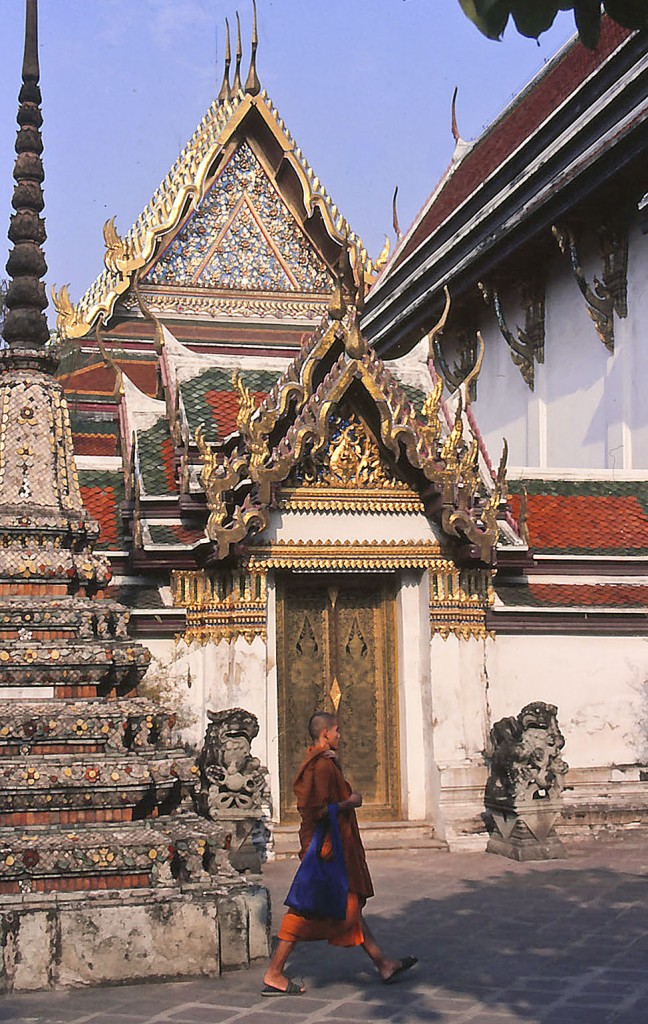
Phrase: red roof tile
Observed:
(99, 379)
(225, 406)
(573, 595)
(590, 594)
(101, 503)
(95, 444)
(516, 125)
(561, 522)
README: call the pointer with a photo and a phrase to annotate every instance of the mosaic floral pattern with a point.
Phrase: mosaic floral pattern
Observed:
(242, 236)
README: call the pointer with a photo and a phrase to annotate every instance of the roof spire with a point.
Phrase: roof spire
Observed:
(252, 83)
(236, 87)
(25, 327)
(224, 93)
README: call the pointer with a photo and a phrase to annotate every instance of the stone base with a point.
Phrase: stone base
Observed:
(526, 848)
(525, 834)
(110, 938)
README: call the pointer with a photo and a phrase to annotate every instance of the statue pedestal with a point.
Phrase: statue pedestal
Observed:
(525, 832)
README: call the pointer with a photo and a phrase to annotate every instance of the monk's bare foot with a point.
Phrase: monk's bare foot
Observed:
(281, 982)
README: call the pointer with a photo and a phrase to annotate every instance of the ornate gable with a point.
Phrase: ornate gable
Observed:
(240, 188)
(242, 237)
(337, 432)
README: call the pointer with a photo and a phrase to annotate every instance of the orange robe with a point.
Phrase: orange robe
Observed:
(320, 782)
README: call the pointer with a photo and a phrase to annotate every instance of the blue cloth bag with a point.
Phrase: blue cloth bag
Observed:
(320, 887)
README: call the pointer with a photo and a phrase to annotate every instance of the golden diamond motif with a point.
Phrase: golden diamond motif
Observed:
(335, 693)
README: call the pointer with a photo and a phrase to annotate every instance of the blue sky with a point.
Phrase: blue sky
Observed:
(363, 85)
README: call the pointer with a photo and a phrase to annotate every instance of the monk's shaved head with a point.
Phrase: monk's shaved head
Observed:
(319, 722)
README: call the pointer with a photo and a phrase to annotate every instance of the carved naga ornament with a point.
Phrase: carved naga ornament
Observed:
(604, 297)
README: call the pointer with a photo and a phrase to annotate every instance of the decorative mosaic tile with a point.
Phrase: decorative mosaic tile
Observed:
(242, 236)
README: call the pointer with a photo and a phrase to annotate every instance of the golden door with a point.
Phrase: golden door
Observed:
(336, 651)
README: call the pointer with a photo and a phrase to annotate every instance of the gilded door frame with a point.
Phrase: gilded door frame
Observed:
(386, 664)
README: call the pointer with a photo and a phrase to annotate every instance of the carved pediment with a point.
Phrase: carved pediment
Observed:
(349, 473)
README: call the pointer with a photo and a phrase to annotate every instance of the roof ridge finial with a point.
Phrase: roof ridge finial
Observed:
(396, 225)
(25, 326)
(236, 87)
(224, 93)
(252, 83)
(455, 128)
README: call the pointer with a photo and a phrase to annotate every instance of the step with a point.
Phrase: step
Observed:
(376, 835)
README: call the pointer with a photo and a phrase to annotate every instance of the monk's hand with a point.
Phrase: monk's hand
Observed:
(355, 800)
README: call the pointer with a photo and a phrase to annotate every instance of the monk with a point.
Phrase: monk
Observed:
(320, 782)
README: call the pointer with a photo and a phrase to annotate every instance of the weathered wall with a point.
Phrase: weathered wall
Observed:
(54, 941)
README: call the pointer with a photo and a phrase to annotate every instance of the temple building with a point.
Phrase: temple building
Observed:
(538, 232)
(293, 450)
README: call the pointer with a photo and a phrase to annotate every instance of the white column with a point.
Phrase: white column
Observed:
(415, 708)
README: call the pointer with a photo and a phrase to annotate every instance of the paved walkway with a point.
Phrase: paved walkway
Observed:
(498, 943)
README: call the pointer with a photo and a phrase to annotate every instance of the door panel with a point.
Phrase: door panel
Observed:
(336, 643)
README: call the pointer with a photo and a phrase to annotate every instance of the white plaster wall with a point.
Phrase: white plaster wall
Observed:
(459, 686)
(350, 527)
(501, 407)
(574, 372)
(223, 675)
(599, 685)
(588, 408)
(635, 330)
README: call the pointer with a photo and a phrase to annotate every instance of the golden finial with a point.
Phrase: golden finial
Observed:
(432, 428)
(252, 83)
(236, 87)
(337, 305)
(354, 343)
(397, 230)
(497, 495)
(246, 403)
(523, 520)
(454, 438)
(384, 254)
(116, 249)
(225, 93)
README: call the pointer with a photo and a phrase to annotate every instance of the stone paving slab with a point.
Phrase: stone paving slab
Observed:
(553, 942)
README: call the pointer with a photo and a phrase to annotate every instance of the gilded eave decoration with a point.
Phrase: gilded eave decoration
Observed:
(181, 191)
(307, 434)
(459, 600)
(222, 605)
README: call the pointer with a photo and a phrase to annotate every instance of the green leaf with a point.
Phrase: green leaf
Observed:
(490, 16)
(630, 13)
(534, 16)
(588, 21)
